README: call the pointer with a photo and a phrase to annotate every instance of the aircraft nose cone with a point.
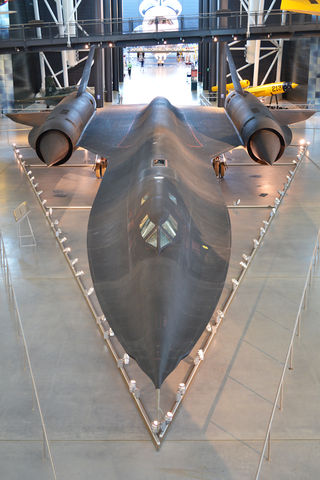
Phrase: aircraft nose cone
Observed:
(294, 85)
(265, 146)
(53, 147)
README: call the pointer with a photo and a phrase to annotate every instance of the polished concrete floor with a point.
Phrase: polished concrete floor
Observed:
(93, 427)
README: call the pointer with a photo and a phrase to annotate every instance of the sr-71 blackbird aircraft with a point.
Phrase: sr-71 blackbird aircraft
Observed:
(159, 233)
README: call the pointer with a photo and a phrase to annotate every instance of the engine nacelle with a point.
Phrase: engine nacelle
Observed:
(260, 133)
(56, 139)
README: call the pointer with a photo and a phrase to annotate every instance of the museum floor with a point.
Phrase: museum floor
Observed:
(93, 426)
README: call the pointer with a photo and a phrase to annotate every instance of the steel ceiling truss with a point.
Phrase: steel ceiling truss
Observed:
(254, 52)
(65, 17)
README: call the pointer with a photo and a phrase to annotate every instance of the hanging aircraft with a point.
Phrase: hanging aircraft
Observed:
(312, 7)
(159, 234)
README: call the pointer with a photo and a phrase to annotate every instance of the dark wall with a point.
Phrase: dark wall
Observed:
(25, 66)
(295, 68)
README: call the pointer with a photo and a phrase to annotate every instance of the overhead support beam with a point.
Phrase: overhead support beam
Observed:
(98, 77)
(270, 68)
(115, 53)
(108, 74)
(52, 72)
(221, 73)
(120, 15)
(222, 5)
(108, 52)
(39, 35)
(212, 64)
(51, 12)
(75, 8)
(98, 58)
(63, 53)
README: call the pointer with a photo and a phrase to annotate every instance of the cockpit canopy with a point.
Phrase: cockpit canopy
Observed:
(161, 235)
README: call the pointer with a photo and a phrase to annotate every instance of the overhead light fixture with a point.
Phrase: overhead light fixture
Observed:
(110, 44)
(90, 291)
(74, 261)
(215, 39)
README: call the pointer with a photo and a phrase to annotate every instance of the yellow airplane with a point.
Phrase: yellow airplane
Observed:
(229, 86)
(270, 89)
(311, 7)
(267, 90)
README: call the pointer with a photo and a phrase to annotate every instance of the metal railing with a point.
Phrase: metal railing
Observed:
(231, 21)
(289, 358)
(13, 301)
(88, 293)
(213, 326)
(156, 429)
(210, 98)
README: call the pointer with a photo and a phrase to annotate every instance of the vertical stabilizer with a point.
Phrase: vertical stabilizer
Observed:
(86, 72)
(233, 72)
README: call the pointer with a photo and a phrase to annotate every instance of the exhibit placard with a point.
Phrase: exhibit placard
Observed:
(21, 211)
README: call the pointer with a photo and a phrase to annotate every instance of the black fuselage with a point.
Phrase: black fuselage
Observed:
(159, 240)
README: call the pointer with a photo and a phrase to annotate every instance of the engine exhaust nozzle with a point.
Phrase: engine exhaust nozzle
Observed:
(265, 146)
